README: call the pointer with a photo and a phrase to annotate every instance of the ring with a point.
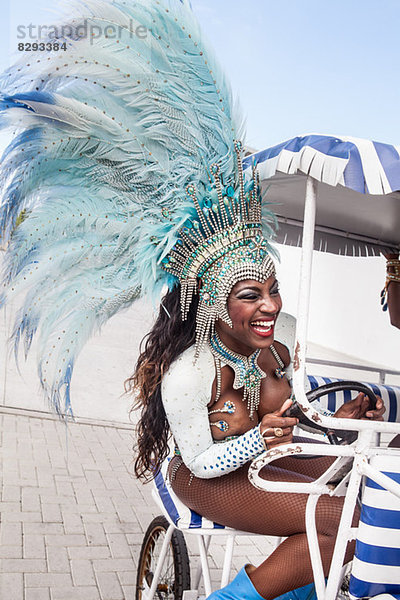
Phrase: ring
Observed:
(278, 431)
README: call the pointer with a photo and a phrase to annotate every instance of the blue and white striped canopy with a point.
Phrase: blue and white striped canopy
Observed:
(358, 206)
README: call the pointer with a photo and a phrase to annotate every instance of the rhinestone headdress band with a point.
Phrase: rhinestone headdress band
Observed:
(221, 245)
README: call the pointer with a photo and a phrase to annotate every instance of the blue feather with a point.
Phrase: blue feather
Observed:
(108, 136)
(23, 138)
(23, 99)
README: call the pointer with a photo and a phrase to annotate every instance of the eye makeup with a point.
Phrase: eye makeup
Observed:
(247, 294)
(251, 293)
(274, 289)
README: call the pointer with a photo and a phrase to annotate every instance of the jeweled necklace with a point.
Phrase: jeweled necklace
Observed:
(247, 372)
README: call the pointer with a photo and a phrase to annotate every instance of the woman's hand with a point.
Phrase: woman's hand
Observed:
(358, 409)
(277, 430)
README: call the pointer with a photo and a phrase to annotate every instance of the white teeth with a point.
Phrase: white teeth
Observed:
(263, 324)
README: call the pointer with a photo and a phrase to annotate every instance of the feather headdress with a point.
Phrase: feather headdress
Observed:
(109, 134)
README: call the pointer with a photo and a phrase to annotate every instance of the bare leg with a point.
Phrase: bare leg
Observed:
(231, 500)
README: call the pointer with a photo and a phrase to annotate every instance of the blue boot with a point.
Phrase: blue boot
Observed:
(307, 592)
(241, 588)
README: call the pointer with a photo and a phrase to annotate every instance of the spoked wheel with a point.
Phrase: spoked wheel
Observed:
(175, 572)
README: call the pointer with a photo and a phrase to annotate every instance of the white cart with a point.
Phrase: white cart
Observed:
(355, 185)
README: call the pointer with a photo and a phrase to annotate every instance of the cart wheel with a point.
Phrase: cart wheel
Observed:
(175, 573)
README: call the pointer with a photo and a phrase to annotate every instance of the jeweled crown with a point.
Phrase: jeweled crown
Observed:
(221, 246)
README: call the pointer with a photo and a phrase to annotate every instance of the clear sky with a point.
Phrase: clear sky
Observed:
(297, 66)
(310, 65)
(303, 66)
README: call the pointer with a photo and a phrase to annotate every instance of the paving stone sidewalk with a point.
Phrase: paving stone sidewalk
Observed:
(73, 515)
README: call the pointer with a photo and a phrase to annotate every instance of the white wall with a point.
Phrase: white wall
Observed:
(97, 387)
(345, 310)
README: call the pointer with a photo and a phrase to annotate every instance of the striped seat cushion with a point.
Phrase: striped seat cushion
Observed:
(390, 395)
(376, 565)
(182, 516)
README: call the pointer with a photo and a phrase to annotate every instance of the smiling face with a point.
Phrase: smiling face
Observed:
(253, 308)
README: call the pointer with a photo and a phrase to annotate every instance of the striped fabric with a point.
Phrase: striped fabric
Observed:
(376, 565)
(184, 518)
(390, 395)
(351, 173)
(387, 597)
(361, 165)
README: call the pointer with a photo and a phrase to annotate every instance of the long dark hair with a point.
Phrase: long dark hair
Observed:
(169, 337)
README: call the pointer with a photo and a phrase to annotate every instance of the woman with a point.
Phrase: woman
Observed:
(390, 298)
(216, 437)
(391, 292)
(125, 175)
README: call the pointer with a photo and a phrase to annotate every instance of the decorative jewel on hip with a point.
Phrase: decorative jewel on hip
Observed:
(178, 462)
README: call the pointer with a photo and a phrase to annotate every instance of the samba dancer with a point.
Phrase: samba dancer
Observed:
(124, 177)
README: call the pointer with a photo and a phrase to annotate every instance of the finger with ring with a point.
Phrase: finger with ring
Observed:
(278, 431)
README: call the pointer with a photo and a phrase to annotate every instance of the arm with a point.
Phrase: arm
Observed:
(185, 392)
(393, 288)
(394, 303)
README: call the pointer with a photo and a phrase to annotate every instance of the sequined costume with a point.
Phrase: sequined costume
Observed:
(186, 392)
(212, 478)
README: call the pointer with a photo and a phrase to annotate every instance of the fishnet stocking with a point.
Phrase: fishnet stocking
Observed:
(233, 501)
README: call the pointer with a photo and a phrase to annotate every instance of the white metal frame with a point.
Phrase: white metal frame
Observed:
(204, 536)
(360, 451)
(335, 363)
(299, 359)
